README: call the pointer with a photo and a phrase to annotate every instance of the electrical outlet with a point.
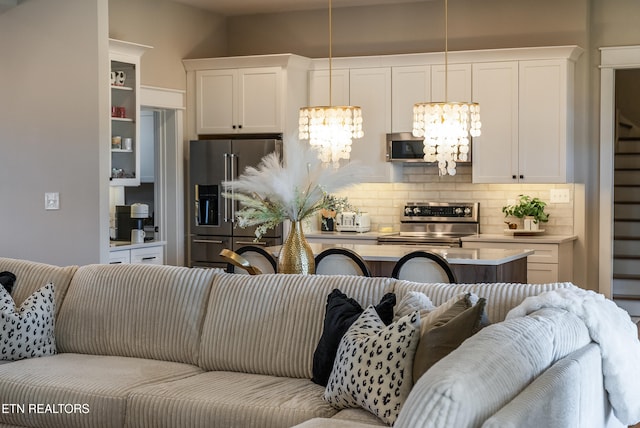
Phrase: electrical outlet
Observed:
(52, 201)
(560, 196)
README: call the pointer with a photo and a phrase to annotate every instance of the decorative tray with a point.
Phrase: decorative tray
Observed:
(522, 232)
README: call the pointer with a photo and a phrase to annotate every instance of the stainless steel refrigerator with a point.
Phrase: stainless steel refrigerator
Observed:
(211, 215)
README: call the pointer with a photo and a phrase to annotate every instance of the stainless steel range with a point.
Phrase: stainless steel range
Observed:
(435, 224)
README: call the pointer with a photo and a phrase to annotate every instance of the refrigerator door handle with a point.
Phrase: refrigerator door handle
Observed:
(226, 178)
(207, 241)
(234, 160)
(197, 206)
(259, 243)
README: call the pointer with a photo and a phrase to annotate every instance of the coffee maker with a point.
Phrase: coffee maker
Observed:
(139, 212)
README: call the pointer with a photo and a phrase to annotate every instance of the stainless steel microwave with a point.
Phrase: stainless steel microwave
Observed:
(404, 147)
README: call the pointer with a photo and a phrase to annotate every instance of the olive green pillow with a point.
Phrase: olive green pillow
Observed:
(447, 333)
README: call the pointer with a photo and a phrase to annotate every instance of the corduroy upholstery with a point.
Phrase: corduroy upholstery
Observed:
(136, 310)
(163, 346)
(31, 276)
(501, 298)
(227, 399)
(103, 383)
(271, 324)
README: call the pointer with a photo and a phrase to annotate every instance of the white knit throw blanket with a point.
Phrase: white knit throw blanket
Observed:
(612, 328)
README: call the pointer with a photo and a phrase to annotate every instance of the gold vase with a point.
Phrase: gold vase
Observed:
(296, 255)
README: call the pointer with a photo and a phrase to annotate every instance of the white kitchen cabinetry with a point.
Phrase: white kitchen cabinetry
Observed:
(139, 254)
(245, 100)
(125, 111)
(410, 85)
(261, 93)
(458, 82)
(119, 257)
(319, 88)
(551, 262)
(495, 151)
(370, 89)
(152, 255)
(526, 123)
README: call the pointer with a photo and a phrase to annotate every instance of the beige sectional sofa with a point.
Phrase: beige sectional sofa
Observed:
(163, 346)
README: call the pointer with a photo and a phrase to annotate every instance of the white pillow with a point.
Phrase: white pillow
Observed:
(27, 332)
(374, 364)
(413, 301)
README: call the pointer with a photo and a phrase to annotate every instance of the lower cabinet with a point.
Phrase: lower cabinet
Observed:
(153, 255)
(551, 262)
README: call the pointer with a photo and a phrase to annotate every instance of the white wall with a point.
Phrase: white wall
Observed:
(54, 130)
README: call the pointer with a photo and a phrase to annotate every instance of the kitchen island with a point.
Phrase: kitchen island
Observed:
(469, 265)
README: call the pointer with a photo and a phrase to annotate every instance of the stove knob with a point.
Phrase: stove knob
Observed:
(458, 211)
(467, 211)
(407, 211)
(416, 211)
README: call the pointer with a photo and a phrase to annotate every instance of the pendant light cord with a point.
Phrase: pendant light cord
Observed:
(446, 51)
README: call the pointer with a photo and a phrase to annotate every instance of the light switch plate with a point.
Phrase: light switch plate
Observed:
(560, 196)
(52, 201)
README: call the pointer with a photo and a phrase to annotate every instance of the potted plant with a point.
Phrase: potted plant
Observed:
(528, 208)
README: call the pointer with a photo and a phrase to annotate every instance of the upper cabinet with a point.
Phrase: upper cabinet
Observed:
(411, 85)
(525, 96)
(527, 127)
(246, 95)
(246, 100)
(370, 89)
(125, 111)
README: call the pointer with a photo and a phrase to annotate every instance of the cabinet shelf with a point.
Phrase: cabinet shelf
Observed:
(121, 151)
(122, 119)
(122, 88)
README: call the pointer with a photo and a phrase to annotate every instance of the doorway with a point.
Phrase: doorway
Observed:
(619, 276)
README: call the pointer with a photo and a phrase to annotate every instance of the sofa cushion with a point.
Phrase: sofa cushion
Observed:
(135, 310)
(92, 390)
(490, 368)
(372, 369)
(501, 297)
(27, 331)
(446, 333)
(340, 313)
(270, 324)
(227, 399)
(31, 276)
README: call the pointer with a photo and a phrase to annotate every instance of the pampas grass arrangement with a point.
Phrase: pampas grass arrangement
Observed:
(272, 192)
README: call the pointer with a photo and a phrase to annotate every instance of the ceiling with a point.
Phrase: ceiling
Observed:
(247, 7)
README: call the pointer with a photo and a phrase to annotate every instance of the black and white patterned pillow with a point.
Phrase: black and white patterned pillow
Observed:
(373, 366)
(27, 332)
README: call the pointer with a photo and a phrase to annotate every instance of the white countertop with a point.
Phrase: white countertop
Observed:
(459, 256)
(126, 245)
(344, 235)
(533, 239)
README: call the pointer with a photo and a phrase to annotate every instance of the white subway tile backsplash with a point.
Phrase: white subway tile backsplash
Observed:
(384, 201)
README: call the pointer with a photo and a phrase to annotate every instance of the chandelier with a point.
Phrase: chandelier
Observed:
(330, 129)
(446, 126)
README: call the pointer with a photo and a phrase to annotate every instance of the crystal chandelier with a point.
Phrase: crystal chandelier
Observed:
(330, 129)
(446, 126)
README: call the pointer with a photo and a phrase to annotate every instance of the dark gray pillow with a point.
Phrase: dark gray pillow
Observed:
(7, 279)
(341, 311)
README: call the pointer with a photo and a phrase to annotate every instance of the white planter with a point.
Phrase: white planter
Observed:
(530, 223)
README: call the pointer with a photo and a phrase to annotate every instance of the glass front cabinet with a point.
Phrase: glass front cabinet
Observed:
(125, 111)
